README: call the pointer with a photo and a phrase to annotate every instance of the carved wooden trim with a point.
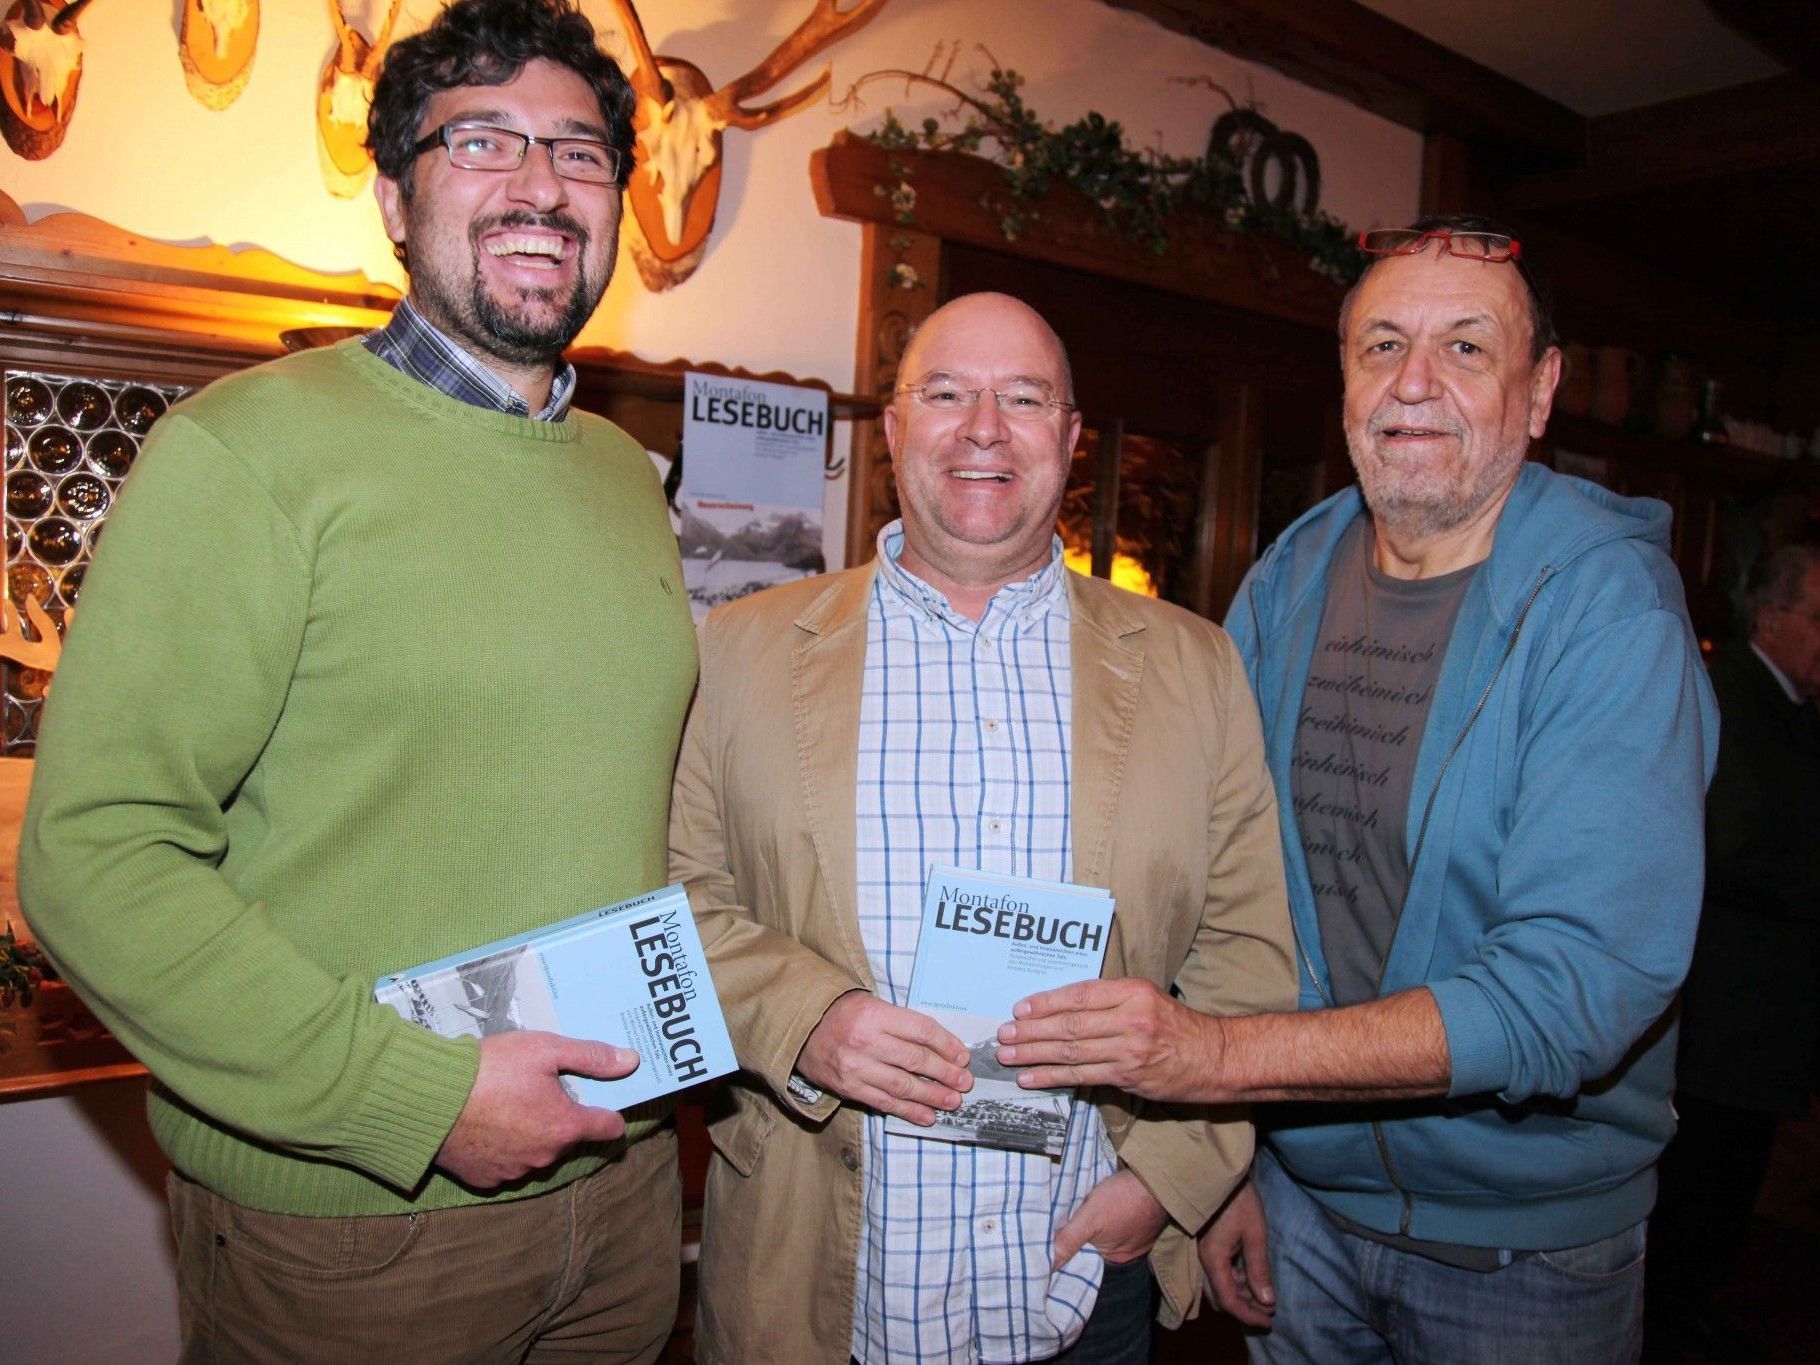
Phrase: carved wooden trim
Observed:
(76, 292)
(80, 294)
(900, 285)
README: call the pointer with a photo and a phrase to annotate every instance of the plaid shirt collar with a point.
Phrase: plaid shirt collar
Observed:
(410, 344)
(1026, 602)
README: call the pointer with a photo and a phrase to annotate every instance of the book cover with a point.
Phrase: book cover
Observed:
(986, 942)
(631, 974)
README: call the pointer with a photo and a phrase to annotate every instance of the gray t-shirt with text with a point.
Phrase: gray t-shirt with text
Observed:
(1366, 701)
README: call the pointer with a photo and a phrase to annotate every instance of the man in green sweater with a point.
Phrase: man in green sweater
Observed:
(386, 655)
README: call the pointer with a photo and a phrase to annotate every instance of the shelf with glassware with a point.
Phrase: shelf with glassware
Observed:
(1717, 492)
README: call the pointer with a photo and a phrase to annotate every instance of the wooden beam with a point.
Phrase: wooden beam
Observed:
(1789, 30)
(1450, 178)
(963, 198)
(1347, 50)
(1765, 125)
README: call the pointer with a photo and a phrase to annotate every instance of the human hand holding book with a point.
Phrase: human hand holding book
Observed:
(892, 1060)
(518, 1117)
(985, 940)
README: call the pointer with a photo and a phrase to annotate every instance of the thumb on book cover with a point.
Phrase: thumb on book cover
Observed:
(599, 1061)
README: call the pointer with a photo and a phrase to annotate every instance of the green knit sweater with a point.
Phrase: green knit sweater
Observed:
(362, 676)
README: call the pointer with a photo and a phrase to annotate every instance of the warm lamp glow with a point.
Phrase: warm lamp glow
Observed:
(1127, 573)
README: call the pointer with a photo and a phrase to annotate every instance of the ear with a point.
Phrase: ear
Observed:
(1542, 384)
(891, 426)
(1074, 433)
(391, 197)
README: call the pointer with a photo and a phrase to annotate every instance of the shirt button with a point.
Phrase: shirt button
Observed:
(995, 826)
(988, 1225)
(992, 727)
(849, 1158)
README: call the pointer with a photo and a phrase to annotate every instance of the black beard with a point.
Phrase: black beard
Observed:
(517, 340)
(498, 330)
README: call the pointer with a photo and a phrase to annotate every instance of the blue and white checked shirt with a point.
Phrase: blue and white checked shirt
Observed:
(413, 345)
(964, 759)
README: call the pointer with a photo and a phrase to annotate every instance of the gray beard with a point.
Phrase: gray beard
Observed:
(1421, 518)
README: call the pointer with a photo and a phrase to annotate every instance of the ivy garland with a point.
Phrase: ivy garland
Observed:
(22, 970)
(1139, 191)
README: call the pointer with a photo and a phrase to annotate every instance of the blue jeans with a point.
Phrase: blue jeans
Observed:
(1343, 1299)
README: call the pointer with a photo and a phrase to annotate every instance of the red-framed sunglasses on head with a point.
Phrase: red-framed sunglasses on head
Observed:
(1477, 246)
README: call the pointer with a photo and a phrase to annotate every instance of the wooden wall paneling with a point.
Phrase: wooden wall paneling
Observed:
(1450, 179)
(1106, 462)
(1766, 125)
(1227, 529)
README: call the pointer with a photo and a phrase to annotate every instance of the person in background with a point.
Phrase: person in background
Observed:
(307, 731)
(1490, 735)
(961, 700)
(1750, 1013)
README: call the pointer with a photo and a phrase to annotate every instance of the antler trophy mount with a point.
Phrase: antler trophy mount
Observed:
(40, 71)
(216, 48)
(680, 119)
(343, 97)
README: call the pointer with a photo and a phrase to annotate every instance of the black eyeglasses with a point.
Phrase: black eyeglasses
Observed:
(478, 147)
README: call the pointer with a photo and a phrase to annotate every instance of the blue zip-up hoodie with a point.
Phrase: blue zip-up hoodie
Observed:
(1556, 856)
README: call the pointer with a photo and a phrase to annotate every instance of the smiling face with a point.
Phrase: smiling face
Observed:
(1442, 396)
(979, 490)
(510, 264)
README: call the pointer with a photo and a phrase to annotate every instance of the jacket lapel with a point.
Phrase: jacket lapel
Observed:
(1106, 654)
(827, 665)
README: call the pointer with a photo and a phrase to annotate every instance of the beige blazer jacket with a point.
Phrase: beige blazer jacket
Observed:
(1172, 809)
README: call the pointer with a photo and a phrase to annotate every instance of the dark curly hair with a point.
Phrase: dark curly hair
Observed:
(488, 42)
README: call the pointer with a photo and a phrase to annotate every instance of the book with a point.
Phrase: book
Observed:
(986, 941)
(631, 974)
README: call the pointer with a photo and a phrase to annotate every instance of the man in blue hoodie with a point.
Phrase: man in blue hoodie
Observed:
(1490, 733)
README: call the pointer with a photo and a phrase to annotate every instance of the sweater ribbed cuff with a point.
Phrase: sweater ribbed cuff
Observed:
(413, 1097)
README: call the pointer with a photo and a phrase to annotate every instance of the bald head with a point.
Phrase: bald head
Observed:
(986, 314)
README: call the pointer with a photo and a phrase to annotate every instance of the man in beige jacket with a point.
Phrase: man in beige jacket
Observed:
(963, 700)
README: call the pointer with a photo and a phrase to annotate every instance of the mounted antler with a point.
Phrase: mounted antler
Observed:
(40, 72)
(827, 25)
(343, 97)
(680, 120)
(216, 48)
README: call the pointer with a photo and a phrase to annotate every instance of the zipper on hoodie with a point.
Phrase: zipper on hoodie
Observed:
(1516, 632)
(1314, 977)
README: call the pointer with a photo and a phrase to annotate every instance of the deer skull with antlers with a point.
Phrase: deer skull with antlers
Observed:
(343, 97)
(40, 71)
(216, 48)
(680, 119)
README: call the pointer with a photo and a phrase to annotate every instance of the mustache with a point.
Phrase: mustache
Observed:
(524, 218)
(1382, 422)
